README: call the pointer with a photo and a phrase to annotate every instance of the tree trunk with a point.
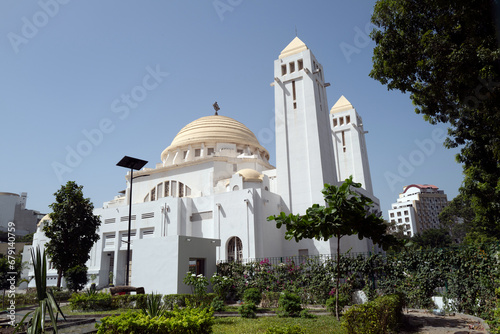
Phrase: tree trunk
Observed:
(59, 275)
(338, 279)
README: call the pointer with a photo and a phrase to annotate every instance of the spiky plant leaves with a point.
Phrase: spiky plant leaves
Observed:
(46, 301)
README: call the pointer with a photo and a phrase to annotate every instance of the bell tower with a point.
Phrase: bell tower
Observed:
(304, 148)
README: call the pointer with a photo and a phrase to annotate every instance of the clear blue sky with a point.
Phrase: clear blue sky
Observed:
(66, 68)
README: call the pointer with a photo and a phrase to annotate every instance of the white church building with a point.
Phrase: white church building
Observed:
(209, 197)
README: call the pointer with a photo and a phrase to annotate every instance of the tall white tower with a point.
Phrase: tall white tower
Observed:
(304, 148)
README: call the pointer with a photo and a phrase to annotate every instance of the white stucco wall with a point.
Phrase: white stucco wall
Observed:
(160, 264)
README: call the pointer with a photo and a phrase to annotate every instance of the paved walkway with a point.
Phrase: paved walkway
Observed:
(423, 322)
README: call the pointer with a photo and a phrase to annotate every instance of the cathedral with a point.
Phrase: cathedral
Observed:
(209, 197)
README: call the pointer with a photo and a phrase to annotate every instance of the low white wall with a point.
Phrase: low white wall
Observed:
(154, 264)
(160, 264)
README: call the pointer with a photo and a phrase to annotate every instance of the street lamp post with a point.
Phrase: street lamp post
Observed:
(137, 164)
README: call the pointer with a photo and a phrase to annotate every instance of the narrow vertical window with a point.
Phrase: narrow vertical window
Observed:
(341, 122)
(334, 122)
(294, 95)
(153, 194)
(292, 67)
(167, 188)
(181, 189)
(283, 69)
(348, 119)
(173, 184)
(343, 138)
(300, 64)
(319, 96)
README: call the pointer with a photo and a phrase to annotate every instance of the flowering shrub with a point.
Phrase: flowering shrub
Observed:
(198, 285)
(221, 285)
(469, 273)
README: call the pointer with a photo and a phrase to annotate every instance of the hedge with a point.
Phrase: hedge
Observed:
(380, 316)
(94, 302)
(188, 320)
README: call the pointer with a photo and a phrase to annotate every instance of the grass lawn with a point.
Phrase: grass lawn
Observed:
(234, 325)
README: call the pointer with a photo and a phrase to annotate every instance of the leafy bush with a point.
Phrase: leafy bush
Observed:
(95, 302)
(173, 300)
(495, 322)
(380, 316)
(129, 301)
(247, 310)
(217, 305)
(30, 298)
(252, 295)
(270, 299)
(199, 301)
(289, 305)
(344, 300)
(304, 314)
(295, 329)
(187, 320)
(76, 277)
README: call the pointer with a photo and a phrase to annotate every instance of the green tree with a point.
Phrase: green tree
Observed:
(72, 229)
(346, 213)
(28, 238)
(457, 217)
(432, 238)
(446, 55)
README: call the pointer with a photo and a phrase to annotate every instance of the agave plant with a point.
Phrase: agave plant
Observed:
(92, 291)
(46, 301)
(154, 306)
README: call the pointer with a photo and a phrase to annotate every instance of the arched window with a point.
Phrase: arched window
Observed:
(234, 249)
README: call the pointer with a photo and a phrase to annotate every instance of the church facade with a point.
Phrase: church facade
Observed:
(209, 198)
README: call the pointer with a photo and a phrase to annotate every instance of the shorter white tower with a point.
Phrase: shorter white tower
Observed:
(349, 146)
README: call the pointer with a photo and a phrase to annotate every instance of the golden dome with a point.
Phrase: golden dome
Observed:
(251, 175)
(210, 130)
(46, 217)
